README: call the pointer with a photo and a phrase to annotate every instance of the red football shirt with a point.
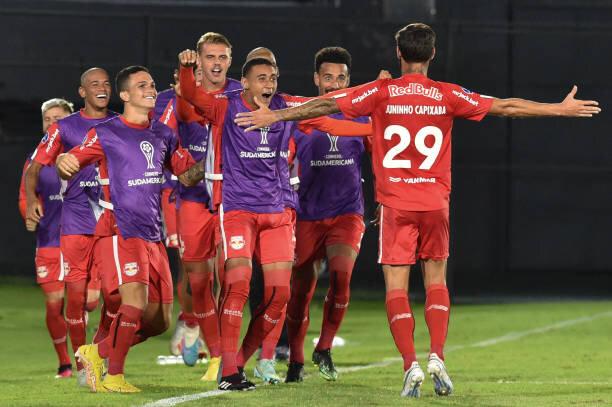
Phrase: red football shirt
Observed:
(412, 118)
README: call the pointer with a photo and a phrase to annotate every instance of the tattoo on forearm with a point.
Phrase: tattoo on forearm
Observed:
(195, 173)
(309, 110)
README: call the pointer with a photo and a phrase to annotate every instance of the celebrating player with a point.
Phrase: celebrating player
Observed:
(80, 208)
(131, 152)
(330, 221)
(49, 273)
(412, 118)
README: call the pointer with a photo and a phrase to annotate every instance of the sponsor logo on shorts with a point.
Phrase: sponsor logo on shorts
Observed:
(66, 268)
(237, 242)
(42, 271)
(148, 151)
(415, 89)
(130, 269)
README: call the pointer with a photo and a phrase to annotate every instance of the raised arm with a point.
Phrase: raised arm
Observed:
(264, 117)
(205, 103)
(569, 107)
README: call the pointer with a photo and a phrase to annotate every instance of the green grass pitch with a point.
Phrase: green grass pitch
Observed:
(521, 354)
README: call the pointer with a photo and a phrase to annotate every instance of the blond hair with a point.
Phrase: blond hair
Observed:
(57, 102)
(212, 38)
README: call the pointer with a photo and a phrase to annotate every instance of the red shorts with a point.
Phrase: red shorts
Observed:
(272, 232)
(136, 260)
(49, 273)
(257, 252)
(313, 236)
(170, 219)
(198, 231)
(77, 256)
(406, 236)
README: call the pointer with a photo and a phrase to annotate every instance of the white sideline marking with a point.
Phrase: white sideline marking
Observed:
(554, 382)
(511, 336)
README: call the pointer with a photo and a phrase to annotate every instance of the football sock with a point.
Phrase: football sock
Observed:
(336, 300)
(107, 315)
(121, 337)
(205, 310)
(268, 346)
(298, 315)
(401, 323)
(75, 314)
(437, 309)
(56, 324)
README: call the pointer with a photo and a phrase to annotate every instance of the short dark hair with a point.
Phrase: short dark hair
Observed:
(416, 42)
(246, 68)
(334, 55)
(122, 78)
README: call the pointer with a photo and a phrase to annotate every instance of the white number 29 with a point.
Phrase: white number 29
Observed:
(430, 153)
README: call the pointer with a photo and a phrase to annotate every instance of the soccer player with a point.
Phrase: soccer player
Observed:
(49, 274)
(80, 208)
(131, 152)
(252, 210)
(198, 226)
(412, 118)
(329, 221)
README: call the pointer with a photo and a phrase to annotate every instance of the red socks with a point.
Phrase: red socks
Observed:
(298, 315)
(107, 315)
(76, 293)
(121, 337)
(204, 310)
(268, 314)
(401, 323)
(57, 330)
(268, 346)
(336, 300)
(437, 309)
(236, 292)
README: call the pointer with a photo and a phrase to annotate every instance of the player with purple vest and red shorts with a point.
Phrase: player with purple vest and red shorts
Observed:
(412, 118)
(80, 207)
(132, 152)
(49, 273)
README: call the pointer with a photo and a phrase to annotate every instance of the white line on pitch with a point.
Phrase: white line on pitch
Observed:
(511, 336)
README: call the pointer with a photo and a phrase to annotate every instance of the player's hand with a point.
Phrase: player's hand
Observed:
(188, 58)
(67, 165)
(572, 107)
(262, 117)
(34, 211)
(31, 225)
(384, 74)
(177, 84)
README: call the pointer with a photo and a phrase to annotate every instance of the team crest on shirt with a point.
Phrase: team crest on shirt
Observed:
(333, 143)
(42, 271)
(237, 242)
(264, 135)
(148, 150)
(66, 268)
(130, 269)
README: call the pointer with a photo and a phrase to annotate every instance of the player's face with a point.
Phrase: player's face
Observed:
(331, 77)
(51, 116)
(215, 60)
(141, 92)
(96, 89)
(261, 82)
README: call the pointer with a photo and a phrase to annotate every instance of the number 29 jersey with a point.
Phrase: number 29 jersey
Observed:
(412, 119)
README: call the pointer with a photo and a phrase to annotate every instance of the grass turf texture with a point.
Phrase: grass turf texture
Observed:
(565, 366)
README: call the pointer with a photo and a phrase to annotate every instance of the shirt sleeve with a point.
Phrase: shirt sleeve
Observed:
(50, 146)
(168, 116)
(360, 100)
(22, 194)
(207, 105)
(179, 159)
(90, 151)
(337, 127)
(292, 150)
(185, 111)
(467, 104)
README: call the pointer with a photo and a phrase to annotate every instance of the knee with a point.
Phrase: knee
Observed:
(279, 298)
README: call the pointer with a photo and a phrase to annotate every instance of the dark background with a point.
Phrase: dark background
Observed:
(531, 200)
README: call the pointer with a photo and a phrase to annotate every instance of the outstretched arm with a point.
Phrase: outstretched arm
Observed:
(264, 117)
(569, 107)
